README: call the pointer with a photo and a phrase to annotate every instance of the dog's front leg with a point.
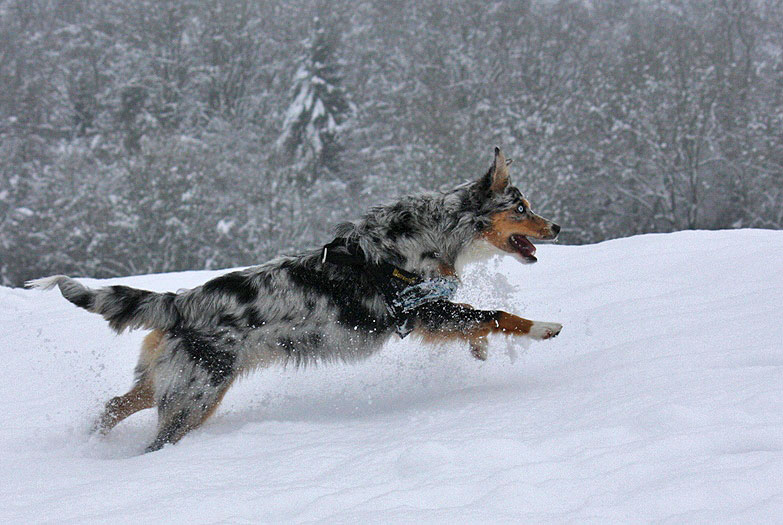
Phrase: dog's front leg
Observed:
(511, 324)
(442, 320)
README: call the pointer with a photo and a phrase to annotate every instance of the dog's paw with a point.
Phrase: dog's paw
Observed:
(541, 330)
(478, 348)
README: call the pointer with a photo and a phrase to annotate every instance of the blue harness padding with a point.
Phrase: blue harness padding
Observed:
(427, 291)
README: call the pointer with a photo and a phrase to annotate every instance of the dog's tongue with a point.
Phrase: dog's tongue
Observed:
(523, 246)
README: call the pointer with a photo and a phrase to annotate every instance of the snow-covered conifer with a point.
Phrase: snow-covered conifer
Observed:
(320, 108)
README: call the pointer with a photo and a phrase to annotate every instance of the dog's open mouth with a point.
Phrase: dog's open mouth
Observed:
(523, 247)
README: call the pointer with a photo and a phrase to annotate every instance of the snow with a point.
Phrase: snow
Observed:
(661, 400)
(224, 226)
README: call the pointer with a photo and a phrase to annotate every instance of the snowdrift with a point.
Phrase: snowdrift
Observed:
(661, 399)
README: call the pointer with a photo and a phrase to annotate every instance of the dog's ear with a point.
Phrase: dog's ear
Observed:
(499, 172)
(496, 178)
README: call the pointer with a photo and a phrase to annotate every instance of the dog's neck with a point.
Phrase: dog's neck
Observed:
(453, 261)
(422, 245)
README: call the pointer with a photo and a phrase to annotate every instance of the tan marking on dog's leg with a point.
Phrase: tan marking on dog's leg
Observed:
(511, 324)
(141, 396)
(151, 348)
(211, 410)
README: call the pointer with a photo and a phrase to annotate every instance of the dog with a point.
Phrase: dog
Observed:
(391, 271)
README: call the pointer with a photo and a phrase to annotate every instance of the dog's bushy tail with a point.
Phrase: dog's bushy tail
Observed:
(124, 307)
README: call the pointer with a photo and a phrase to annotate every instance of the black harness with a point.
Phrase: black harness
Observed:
(402, 291)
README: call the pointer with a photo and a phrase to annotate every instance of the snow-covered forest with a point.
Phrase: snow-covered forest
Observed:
(140, 136)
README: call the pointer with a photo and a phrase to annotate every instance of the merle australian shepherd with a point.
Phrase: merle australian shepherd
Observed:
(335, 303)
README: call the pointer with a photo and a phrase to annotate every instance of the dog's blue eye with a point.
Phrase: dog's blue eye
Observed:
(521, 208)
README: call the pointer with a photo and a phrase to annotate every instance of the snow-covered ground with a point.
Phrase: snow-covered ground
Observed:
(661, 400)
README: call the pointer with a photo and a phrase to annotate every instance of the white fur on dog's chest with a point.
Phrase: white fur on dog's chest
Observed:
(477, 251)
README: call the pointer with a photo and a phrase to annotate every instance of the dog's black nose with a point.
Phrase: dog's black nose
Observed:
(555, 229)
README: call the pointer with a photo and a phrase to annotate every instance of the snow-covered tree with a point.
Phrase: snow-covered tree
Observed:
(320, 107)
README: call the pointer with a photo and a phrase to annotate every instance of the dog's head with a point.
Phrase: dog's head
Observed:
(508, 221)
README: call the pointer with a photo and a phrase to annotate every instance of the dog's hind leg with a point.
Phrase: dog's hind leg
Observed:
(141, 396)
(191, 378)
(178, 414)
